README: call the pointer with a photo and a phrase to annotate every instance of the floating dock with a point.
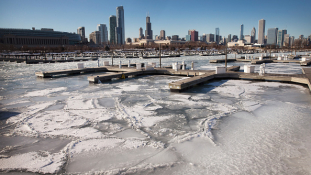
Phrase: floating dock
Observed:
(257, 61)
(196, 76)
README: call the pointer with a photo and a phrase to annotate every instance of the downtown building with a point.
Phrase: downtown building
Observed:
(148, 31)
(102, 28)
(261, 31)
(81, 32)
(120, 30)
(112, 27)
(280, 37)
(194, 35)
(253, 35)
(241, 32)
(95, 38)
(42, 37)
(162, 35)
(272, 36)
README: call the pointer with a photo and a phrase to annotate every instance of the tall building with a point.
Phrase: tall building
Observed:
(210, 37)
(253, 35)
(241, 32)
(272, 36)
(102, 28)
(120, 31)
(141, 35)
(286, 42)
(261, 31)
(162, 35)
(248, 38)
(188, 37)
(301, 37)
(280, 38)
(95, 37)
(217, 39)
(234, 38)
(148, 31)
(112, 27)
(292, 39)
(229, 38)
(81, 32)
(194, 35)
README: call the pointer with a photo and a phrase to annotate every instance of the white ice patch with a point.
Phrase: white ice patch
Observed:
(41, 162)
(44, 92)
(250, 105)
(79, 104)
(94, 115)
(150, 121)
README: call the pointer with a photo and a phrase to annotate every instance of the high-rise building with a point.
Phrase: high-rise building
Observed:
(162, 35)
(248, 38)
(148, 31)
(280, 38)
(141, 35)
(102, 28)
(272, 36)
(112, 27)
(253, 35)
(229, 38)
(261, 31)
(120, 30)
(217, 39)
(210, 37)
(241, 32)
(234, 38)
(286, 40)
(188, 37)
(81, 32)
(95, 37)
(292, 39)
(301, 37)
(194, 35)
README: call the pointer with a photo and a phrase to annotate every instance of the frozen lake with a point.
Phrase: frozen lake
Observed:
(137, 126)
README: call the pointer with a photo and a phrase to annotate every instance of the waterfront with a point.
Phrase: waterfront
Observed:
(137, 126)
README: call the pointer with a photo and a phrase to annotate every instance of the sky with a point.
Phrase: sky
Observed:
(176, 17)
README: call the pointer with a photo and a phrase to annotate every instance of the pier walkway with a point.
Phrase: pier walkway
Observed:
(257, 61)
(196, 76)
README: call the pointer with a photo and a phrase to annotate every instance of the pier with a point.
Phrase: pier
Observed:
(257, 61)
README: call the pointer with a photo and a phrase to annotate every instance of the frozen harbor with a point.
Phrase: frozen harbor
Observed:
(137, 126)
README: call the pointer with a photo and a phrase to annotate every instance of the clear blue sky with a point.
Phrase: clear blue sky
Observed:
(176, 17)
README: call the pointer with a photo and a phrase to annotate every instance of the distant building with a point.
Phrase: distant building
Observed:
(120, 30)
(168, 38)
(148, 31)
(217, 39)
(238, 43)
(194, 35)
(292, 39)
(210, 38)
(261, 31)
(27, 37)
(204, 37)
(234, 38)
(128, 40)
(112, 28)
(248, 38)
(162, 35)
(253, 35)
(95, 37)
(188, 37)
(175, 37)
(81, 32)
(141, 35)
(280, 38)
(241, 32)
(272, 36)
(229, 38)
(102, 28)
(286, 40)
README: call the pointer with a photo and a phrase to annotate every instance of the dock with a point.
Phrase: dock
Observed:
(257, 61)
(196, 77)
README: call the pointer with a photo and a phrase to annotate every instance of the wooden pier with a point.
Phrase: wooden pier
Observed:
(196, 76)
(257, 61)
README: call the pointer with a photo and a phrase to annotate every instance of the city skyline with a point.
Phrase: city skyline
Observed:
(18, 14)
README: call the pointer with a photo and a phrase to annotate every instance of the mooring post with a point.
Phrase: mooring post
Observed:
(129, 64)
(112, 58)
(120, 65)
(160, 55)
(226, 58)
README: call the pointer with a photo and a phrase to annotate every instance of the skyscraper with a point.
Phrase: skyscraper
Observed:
(292, 39)
(148, 31)
(162, 34)
(120, 31)
(102, 28)
(229, 38)
(112, 27)
(253, 35)
(81, 32)
(261, 31)
(272, 36)
(280, 39)
(141, 35)
(194, 35)
(210, 37)
(241, 32)
(217, 38)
